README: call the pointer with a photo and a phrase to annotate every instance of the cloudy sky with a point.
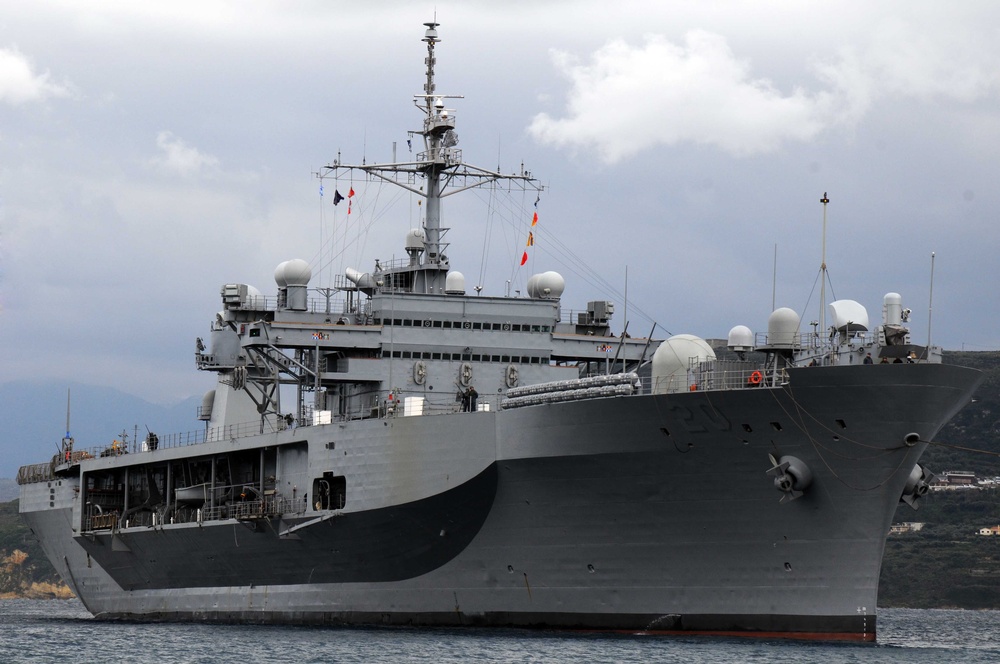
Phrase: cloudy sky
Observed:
(151, 152)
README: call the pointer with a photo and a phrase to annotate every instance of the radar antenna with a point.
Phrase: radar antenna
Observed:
(822, 269)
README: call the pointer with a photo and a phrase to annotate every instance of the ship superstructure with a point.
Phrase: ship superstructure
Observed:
(400, 451)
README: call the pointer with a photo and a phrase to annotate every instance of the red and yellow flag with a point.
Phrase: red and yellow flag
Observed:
(531, 237)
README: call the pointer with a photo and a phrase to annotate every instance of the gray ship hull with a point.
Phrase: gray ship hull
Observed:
(643, 513)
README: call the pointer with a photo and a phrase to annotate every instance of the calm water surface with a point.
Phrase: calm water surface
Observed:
(60, 631)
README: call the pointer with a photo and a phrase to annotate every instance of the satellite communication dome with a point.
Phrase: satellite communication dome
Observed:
(454, 283)
(547, 286)
(297, 272)
(673, 358)
(279, 274)
(415, 239)
(740, 338)
(782, 327)
(533, 285)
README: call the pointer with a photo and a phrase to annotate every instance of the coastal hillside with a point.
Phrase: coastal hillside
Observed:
(976, 427)
(944, 561)
(24, 569)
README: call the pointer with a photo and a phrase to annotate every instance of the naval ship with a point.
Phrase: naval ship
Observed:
(394, 450)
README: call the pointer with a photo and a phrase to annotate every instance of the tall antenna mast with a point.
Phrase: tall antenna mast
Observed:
(774, 278)
(822, 270)
(67, 413)
(435, 124)
(930, 309)
(441, 168)
(67, 443)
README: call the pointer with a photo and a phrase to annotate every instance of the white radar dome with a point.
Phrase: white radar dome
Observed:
(279, 274)
(672, 360)
(297, 272)
(547, 286)
(740, 338)
(454, 283)
(415, 238)
(782, 327)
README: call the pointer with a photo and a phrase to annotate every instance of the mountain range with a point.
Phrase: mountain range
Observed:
(33, 419)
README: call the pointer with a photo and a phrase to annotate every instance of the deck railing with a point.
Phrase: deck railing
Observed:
(238, 501)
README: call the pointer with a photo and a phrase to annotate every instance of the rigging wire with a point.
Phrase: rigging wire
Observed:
(567, 259)
(516, 262)
(322, 241)
(339, 245)
(487, 236)
(800, 423)
(813, 290)
(505, 213)
(961, 447)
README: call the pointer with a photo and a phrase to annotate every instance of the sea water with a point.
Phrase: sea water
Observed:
(63, 631)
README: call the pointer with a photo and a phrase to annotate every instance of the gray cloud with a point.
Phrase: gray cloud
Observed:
(180, 158)
(629, 98)
(20, 84)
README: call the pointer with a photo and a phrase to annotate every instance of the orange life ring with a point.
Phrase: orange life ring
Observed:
(755, 378)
